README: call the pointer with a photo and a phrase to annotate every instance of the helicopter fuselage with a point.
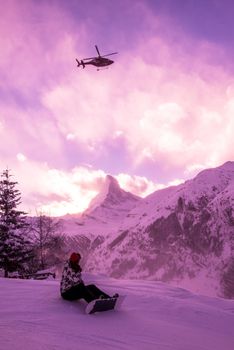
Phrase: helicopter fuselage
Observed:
(100, 62)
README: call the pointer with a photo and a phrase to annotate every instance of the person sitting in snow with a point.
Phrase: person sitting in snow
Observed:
(72, 286)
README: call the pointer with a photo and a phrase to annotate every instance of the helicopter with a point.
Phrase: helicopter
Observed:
(99, 61)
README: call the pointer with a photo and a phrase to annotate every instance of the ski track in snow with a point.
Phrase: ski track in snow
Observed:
(153, 316)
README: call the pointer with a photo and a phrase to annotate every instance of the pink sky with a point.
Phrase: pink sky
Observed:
(160, 114)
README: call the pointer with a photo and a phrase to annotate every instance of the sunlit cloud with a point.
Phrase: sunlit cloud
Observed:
(70, 136)
(21, 157)
(81, 185)
(138, 185)
(74, 190)
(58, 192)
(141, 186)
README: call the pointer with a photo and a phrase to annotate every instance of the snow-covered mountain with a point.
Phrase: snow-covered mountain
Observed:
(111, 205)
(183, 235)
(105, 213)
(103, 217)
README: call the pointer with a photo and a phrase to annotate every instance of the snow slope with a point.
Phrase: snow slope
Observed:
(154, 316)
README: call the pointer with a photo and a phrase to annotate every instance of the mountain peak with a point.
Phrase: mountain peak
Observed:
(111, 183)
(112, 196)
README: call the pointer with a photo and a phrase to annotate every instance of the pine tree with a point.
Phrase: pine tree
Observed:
(15, 248)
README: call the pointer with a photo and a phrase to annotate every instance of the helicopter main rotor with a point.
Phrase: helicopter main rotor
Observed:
(99, 55)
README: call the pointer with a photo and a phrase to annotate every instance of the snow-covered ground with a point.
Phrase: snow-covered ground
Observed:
(154, 316)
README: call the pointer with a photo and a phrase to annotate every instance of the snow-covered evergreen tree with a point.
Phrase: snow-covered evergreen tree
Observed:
(15, 248)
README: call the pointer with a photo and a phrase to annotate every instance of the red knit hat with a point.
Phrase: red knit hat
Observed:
(75, 257)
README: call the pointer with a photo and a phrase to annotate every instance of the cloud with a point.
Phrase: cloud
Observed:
(170, 104)
(58, 192)
(21, 157)
(28, 132)
(54, 191)
(178, 130)
(137, 185)
(141, 186)
(168, 101)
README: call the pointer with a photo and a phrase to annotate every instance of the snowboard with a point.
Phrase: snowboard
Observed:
(100, 305)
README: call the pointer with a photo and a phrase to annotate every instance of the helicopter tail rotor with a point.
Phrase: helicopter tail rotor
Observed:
(80, 63)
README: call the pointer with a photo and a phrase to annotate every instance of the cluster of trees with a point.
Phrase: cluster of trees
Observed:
(27, 244)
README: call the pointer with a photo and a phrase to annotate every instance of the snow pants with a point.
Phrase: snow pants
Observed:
(81, 291)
